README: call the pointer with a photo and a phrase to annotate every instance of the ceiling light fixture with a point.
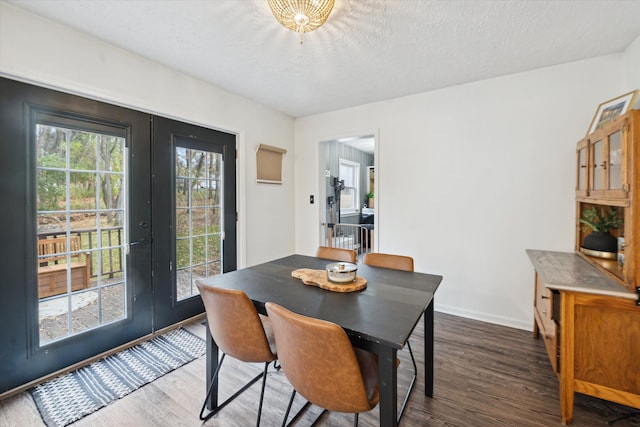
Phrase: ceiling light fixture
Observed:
(301, 16)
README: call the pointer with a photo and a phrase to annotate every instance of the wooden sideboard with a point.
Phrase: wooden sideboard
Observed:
(591, 328)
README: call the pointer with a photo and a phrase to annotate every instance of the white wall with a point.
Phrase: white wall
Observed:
(632, 68)
(39, 51)
(470, 177)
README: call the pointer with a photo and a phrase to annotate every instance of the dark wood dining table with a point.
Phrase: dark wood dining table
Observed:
(379, 318)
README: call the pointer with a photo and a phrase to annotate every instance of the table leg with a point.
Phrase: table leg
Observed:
(428, 350)
(212, 365)
(388, 377)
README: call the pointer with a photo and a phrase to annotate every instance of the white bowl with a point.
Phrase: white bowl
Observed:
(341, 272)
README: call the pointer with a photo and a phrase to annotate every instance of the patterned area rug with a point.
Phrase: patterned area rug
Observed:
(70, 397)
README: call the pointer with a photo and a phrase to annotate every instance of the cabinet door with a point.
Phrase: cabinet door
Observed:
(582, 168)
(604, 333)
(608, 159)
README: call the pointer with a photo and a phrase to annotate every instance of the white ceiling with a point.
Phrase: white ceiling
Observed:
(368, 50)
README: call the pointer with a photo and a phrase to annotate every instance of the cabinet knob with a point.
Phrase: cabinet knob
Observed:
(603, 165)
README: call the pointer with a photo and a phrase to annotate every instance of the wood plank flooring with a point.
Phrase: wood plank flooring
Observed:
(485, 375)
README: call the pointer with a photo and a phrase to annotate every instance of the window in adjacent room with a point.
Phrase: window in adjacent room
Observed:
(350, 194)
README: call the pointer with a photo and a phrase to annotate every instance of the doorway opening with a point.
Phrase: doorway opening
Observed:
(347, 193)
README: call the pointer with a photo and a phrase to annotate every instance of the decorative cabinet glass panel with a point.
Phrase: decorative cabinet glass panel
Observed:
(602, 162)
(608, 159)
(599, 165)
(582, 178)
(615, 161)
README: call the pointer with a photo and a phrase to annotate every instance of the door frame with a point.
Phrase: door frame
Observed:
(322, 194)
(17, 260)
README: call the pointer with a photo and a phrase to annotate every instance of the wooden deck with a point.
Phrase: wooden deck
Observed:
(485, 375)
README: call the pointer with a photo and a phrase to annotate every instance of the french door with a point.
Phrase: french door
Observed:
(109, 217)
(193, 214)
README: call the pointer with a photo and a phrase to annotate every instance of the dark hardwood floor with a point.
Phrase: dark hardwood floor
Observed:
(485, 375)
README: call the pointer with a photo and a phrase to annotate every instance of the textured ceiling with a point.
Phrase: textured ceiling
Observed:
(369, 50)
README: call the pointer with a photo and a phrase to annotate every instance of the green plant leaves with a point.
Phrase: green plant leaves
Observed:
(601, 220)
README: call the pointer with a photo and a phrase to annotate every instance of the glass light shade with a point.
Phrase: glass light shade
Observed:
(301, 16)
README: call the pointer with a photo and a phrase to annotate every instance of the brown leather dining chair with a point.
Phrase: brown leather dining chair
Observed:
(396, 262)
(404, 263)
(321, 364)
(337, 254)
(239, 332)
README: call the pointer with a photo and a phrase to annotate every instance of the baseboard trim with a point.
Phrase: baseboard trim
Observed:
(484, 317)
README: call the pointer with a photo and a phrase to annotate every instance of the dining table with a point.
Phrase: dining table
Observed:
(379, 318)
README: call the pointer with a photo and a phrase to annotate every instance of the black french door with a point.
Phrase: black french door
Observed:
(75, 182)
(108, 217)
(194, 214)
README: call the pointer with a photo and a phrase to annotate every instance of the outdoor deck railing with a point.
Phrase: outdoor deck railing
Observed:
(112, 260)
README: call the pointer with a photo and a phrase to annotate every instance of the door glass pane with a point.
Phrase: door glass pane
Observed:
(198, 226)
(598, 178)
(582, 169)
(80, 184)
(615, 161)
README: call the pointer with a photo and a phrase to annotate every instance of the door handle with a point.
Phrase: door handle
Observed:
(142, 241)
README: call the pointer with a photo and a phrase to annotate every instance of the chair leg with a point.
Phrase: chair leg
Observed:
(236, 394)
(286, 415)
(299, 413)
(355, 420)
(213, 380)
(264, 382)
(413, 382)
(317, 420)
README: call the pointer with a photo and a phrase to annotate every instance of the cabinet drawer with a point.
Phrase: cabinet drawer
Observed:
(545, 319)
(544, 304)
(549, 334)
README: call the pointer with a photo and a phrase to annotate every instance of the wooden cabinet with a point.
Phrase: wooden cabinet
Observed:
(591, 329)
(587, 303)
(608, 176)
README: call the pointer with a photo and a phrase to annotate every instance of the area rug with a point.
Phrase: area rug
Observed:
(70, 397)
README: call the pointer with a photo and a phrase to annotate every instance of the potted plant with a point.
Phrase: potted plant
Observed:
(370, 196)
(601, 223)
